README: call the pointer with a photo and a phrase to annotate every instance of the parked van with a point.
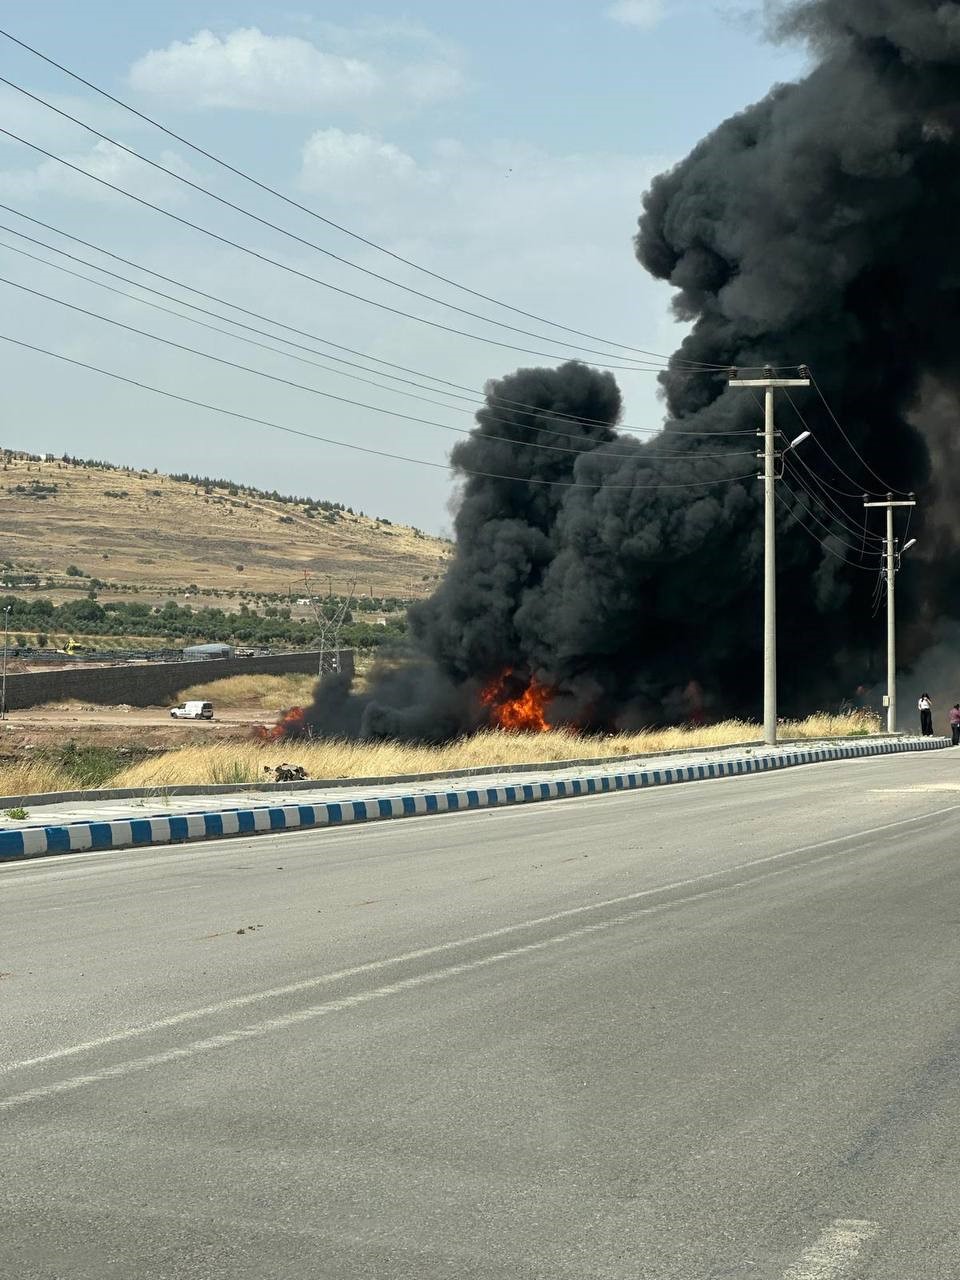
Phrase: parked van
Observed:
(193, 711)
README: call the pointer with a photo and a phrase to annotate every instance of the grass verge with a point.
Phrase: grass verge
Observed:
(69, 766)
(74, 768)
(266, 693)
(244, 761)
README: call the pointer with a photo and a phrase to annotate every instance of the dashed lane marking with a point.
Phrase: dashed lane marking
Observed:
(630, 900)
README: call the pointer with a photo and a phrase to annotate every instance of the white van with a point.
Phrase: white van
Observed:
(193, 711)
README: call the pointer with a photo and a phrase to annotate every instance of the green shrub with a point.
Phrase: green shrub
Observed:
(89, 765)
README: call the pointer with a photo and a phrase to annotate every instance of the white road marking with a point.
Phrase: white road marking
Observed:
(919, 787)
(834, 1251)
(269, 1025)
(373, 966)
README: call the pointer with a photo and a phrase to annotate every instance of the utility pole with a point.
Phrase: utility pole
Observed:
(769, 383)
(3, 678)
(890, 550)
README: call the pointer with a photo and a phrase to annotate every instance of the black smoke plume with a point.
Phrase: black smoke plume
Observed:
(818, 226)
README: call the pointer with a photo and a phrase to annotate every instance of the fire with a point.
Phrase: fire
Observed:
(515, 706)
(290, 725)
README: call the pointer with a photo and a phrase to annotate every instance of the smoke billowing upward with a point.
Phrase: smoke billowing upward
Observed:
(818, 226)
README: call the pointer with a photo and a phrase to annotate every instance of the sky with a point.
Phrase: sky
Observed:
(503, 145)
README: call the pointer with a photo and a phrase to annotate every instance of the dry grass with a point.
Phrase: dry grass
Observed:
(236, 762)
(268, 693)
(244, 761)
(31, 777)
(166, 534)
(825, 725)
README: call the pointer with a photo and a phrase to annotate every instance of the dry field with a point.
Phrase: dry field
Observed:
(238, 761)
(167, 534)
(261, 693)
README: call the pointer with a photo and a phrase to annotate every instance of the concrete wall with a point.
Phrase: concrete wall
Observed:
(148, 684)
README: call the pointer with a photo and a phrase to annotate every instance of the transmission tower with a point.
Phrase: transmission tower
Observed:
(330, 614)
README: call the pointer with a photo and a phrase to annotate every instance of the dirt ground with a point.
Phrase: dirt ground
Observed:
(119, 726)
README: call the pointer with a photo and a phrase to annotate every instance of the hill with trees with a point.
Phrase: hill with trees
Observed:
(73, 526)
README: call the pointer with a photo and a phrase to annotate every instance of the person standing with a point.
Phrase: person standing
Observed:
(955, 723)
(925, 707)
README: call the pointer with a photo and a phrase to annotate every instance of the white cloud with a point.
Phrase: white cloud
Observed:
(103, 160)
(636, 13)
(416, 65)
(247, 69)
(29, 119)
(548, 231)
(250, 70)
(332, 158)
(426, 82)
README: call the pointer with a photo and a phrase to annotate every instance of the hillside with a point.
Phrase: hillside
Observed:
(64, 521)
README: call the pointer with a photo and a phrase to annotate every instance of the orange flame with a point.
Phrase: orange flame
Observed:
(290, 725)
(522, 712)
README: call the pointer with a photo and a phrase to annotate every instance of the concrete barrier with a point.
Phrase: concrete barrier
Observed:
(38, 840)
(149, 684)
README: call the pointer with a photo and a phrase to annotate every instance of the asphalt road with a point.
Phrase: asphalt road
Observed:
(697, 1032)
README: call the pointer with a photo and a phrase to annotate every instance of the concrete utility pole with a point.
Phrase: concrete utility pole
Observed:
(769, 383)
(3, 678)
(890, 549)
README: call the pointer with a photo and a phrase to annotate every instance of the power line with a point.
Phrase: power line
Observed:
(859, 493)
(809, 510)
(853, 449)
(146, 302)
(343, 444)
(787, 457)
(822, 523)
(300, 386)
(240, 173)
(830, 505)
(476, 397)
(825, 498)
(836, 555)
(305, 275)
(878, 591)
(310, 244)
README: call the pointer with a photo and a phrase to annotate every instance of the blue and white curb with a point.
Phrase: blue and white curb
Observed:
(27, 841)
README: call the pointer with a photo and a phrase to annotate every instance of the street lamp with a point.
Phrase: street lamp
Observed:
(892, 557)
(769, 383)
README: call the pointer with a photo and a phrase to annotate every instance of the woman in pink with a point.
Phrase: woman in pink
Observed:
(955, 723)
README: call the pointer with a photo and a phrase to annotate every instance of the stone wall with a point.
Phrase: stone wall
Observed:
(148, 684)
